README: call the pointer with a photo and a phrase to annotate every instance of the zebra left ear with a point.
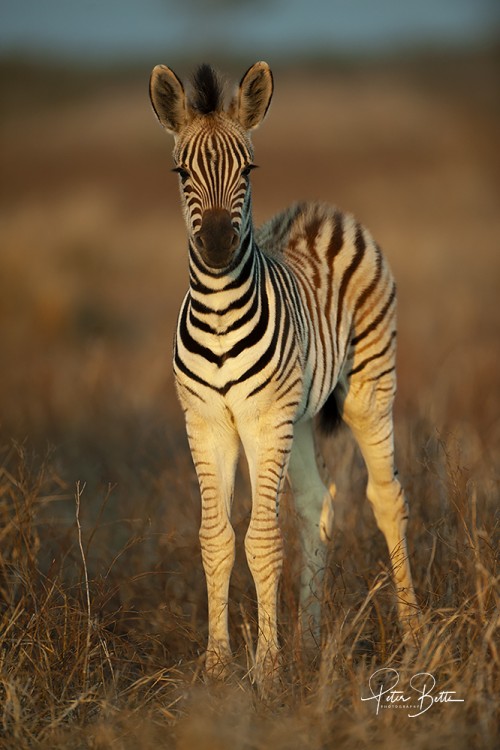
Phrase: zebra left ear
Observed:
(254, 96)
(168, 99)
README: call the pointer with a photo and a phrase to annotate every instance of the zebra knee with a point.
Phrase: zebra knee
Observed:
(327, 515)
(390, 506)
(217, 547)
(264, 550)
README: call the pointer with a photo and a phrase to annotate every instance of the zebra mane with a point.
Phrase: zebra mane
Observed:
(208, 91)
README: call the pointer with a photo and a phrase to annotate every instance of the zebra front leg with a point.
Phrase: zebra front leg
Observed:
(313, 502)
(214, 447)
(267, 451)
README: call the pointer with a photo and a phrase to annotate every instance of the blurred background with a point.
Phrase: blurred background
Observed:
(388, 109)
(291, 30)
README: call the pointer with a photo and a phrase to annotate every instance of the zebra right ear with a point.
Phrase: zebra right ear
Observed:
(254, 96)
(168, 99)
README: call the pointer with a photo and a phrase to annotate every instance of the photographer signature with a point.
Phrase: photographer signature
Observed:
(420, 696)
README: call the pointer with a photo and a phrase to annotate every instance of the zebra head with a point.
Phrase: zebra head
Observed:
(213, 153)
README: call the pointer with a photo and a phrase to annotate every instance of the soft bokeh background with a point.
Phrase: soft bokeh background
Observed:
(289, 29)
(388, 109)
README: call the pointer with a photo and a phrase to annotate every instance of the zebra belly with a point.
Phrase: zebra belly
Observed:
(323, 365)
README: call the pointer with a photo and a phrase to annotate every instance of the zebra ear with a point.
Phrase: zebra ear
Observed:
(254, 96)
(168, 99)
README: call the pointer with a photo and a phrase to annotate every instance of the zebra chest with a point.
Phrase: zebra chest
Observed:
(220, 357)
(243, 360)
(218, 362)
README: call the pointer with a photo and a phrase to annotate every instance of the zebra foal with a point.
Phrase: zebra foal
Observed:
(280, 324)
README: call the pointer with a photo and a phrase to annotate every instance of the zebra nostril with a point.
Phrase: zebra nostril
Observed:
(234, 240)
(199, 241)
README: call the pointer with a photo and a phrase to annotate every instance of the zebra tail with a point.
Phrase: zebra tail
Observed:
(329, 417)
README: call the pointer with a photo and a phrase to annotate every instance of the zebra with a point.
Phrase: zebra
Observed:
(283, 326)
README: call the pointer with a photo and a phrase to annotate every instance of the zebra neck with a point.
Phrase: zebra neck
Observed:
(221, 303)
(210, 285)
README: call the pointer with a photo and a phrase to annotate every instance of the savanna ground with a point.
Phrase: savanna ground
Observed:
(103, 611)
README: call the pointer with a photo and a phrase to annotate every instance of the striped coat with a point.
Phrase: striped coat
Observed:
(312, 306)
(282, 324)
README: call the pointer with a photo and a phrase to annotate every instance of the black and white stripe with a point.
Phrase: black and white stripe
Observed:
(279, 325)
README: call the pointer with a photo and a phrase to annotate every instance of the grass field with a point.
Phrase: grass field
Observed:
(102, 596)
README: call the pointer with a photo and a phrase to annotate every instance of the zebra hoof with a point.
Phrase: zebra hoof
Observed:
(266, 674)
(218, 664)
(413, 629)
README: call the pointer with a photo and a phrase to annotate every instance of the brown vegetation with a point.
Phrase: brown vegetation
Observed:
(103, 611)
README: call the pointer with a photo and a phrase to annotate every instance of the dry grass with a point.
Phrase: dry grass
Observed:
(103, 611)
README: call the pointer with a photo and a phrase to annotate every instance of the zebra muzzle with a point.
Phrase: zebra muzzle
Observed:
(217, 239)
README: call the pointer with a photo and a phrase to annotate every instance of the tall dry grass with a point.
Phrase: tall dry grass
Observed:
(103, 601)
(104, 617)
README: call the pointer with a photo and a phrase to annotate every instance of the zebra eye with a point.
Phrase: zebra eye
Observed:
(246, 170)
(183, 173)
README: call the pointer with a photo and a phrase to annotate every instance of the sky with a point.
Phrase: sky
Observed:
(104, 30)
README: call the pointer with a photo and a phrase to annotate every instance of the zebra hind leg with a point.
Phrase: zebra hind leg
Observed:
(367, 409)
(313, 501)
